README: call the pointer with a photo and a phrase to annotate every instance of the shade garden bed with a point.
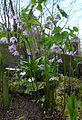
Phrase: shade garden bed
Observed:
(23, 106)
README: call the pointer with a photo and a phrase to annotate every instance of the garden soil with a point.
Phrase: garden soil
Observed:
(22, 108)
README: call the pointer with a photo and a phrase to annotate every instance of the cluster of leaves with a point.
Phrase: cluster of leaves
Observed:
(71, 106)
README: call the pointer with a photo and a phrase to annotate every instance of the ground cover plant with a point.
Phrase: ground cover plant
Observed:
(58, 95)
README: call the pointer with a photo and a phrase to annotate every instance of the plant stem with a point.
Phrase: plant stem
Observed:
(64, 78)
(34, 70)
(47, 92)
(69, 87)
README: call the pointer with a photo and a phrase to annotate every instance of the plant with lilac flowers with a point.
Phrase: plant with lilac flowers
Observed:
(45, 67)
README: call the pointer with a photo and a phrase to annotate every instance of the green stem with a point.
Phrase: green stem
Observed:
(47, 92)
(64, 79)
(34, 69)
(69, 89)
(55, 65)
(57, 69)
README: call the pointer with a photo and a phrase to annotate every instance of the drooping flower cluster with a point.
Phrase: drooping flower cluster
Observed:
(4, 39)
(55, 48)
(13, 50)
(20, 23)
(12, 39)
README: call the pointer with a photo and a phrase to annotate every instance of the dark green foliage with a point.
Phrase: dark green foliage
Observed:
(75, 29)
(64, 14)
(39, 7)
(33, 2)
(5, 83)
(71, 106)
(1, 67)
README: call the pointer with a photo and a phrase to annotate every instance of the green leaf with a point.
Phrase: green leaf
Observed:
(58, 6)
(56, 30)
(58, 15)
(65, 34)
(39, 7)
(2, 34)
(30, 38)
(75, 29)
(58, 38)
(67, 44)
(40, 1)
(33, 2)
(71, 106)
(42, 40)
(34, 20)
(25, 9)
(1, 64)
(64, 14)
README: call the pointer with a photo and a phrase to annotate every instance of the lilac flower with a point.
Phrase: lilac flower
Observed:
(49, 23)
(25, 32)
(53, 78)
(0, 41)
(28, 52)
(44, 112)
(41, 33)
(71, 53)
(12, 48)
(20, 27)
(76, 52)
(16, 17)
(13, 39)
(55, 48)
(4, 39)
(74, 70)
(56, 18)
(51, 63)
(67, 51)
(10, 16)
(41, 66)
(22, 20)
(15, 53)
(59, 61)
(63, 46)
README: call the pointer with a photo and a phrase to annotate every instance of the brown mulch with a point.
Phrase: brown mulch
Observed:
(22, 107)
